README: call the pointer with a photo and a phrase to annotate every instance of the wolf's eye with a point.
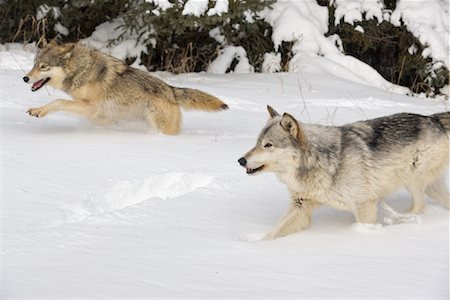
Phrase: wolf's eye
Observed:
(268, 145)
(44, 66)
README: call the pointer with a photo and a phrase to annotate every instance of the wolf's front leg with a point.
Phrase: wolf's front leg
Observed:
(295, 219)
(79, 107)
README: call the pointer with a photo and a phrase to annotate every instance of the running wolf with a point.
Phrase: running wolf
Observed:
(352, 167)
(105, 90)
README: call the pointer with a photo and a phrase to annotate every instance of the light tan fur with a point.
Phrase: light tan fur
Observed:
(106, 90)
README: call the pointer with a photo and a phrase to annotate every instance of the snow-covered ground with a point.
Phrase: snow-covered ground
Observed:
(121, 212)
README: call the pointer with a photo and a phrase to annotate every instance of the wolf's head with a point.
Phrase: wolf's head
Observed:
(279, 145)
(49, 65)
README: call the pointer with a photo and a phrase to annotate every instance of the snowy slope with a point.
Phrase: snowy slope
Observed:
(121, 212)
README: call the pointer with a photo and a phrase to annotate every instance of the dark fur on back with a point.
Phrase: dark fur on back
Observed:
(386, 133)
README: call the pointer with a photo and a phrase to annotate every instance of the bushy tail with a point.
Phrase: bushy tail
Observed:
(443, 119)
(195, 99)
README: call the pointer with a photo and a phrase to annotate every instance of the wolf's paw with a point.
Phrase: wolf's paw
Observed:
(401, 219)
(37, 112)
(392, 217)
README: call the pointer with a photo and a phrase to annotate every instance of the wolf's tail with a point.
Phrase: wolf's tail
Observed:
(195, 99)
(443, 119)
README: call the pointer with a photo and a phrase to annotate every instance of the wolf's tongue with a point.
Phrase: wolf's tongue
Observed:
(37, 85)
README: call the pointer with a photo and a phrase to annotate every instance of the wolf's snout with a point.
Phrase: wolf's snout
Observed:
(242, 161)
(26, 79)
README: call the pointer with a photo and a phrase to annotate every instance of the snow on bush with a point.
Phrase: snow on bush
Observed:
(108, 38)
(305, 23)
(161, 4)
(354, 10)
(220, 8)
(293, 21)
(225, 59)
(271, 63)
(195, 7)
(217, 35)
(44, 10)
(429, 22)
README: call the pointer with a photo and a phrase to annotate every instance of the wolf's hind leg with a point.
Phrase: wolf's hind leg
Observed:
(167, 119)
(295, 219)
(366, 213)
(79, 107)
(438, 191)
(418, 199)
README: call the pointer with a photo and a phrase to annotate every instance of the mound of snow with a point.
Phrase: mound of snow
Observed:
(305, 23)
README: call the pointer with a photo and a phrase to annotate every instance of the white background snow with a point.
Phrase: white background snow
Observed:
(124, 212)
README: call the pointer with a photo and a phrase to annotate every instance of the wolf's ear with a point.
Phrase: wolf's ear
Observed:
(272, 112)
(52, 43)
(290, 124)
(66, 50)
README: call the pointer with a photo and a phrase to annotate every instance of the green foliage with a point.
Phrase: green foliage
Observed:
(81, 17)
(18, 22)
(181, 43)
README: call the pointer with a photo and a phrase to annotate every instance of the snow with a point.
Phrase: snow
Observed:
(43, 10)
(224, 60)
(428, 21)
(216, 34)
(129, 45)
(161, 4)
(219, 8)
(120, 212)
(352, 11)
(359, 28)
(271, 63)
(305, 23)
(61, 29)
(195, 7)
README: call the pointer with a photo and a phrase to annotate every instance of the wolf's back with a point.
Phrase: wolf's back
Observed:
(443, 119)
(195, 99)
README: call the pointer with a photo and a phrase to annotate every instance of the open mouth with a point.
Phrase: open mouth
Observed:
(38, 84)
(253, 171)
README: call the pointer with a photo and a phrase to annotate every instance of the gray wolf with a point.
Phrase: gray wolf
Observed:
(106, 90)
(354, 166)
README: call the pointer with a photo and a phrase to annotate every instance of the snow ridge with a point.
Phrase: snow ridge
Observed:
(129, 192)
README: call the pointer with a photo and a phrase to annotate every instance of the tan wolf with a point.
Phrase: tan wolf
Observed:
(105, 90)
(352, 167)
